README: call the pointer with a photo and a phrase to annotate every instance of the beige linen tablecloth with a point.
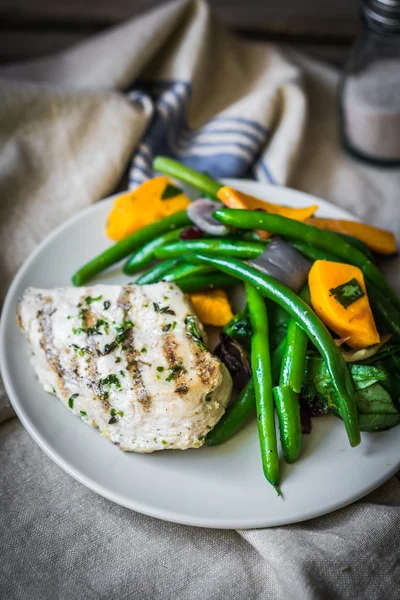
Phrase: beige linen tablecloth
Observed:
(73, 128)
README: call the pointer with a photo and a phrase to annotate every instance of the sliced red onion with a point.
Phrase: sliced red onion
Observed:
(282, 261)
(200, 212)
(191, 233)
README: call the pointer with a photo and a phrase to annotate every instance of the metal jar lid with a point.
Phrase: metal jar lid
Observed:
(385, 13)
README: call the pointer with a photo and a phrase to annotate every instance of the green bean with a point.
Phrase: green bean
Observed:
(312, 253)
(291, 380)
(325, 240)
(309, 322)
(185, 271)
(156, 273)
(211, 280)
(145, 255)
(121, 249)
(262, 379)
(198, 180)
(215, 247)
(235, 415)
(356, 243)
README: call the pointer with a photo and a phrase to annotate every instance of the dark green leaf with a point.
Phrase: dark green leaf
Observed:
(170, 191)
(375, 400)
(90, 299)
(378, 422)
(347, 293)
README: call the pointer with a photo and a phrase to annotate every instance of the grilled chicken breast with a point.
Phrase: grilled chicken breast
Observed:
(130, 360)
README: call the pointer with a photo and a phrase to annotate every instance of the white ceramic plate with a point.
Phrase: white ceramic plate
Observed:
(220, 487)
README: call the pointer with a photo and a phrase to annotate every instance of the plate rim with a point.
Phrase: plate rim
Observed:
(166, 515)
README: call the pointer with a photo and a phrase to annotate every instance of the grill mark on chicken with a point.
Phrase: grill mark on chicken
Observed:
(174, 362)
(46, 343)
(204, 367)
(89, 320)
(132, 355)
(18, 317)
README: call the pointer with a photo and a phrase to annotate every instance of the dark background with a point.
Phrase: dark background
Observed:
(30, 28)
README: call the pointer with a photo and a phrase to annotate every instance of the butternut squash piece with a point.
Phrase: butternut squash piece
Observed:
(235, 199)
(212, 307)
(339, 297)
(379, 240)
(153, 200)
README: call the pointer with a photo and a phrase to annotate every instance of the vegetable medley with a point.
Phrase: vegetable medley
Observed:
(321, 329)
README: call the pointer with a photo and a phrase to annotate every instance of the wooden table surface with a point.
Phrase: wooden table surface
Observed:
(30, 29)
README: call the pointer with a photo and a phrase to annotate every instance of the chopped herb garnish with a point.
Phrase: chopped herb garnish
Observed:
(122, 373)
(109, 348)
(164, 442)
(80, 351)
(166, 327)
(154, 439)
(170, 191)
(182, 389)
(113, 412)
(71, 400)
(347, 293)
(156, 307)
(120, 413)
(93, 329)
(112, 420)
(117, 359)
(82, 313)
(160, 369)
(54, 391)
(106, 304)
(122, 330)
(165, 298)
(192, 330)
(111, 379)
(167, 310)
(173, 325)
(90, 299)
(69, 317)
(176, 370)
(201, 437)
(124, 325)
(83, 414)
(143, 350)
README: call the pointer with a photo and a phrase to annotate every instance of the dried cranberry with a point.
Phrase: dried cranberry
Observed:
(306, 423)
(191, 233)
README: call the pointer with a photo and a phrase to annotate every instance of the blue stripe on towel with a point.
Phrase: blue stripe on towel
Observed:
(224, 146)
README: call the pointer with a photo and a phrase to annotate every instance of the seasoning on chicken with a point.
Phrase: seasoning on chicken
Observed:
(130, 360)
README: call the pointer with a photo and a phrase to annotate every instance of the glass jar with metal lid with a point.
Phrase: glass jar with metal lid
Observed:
(370, 86)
